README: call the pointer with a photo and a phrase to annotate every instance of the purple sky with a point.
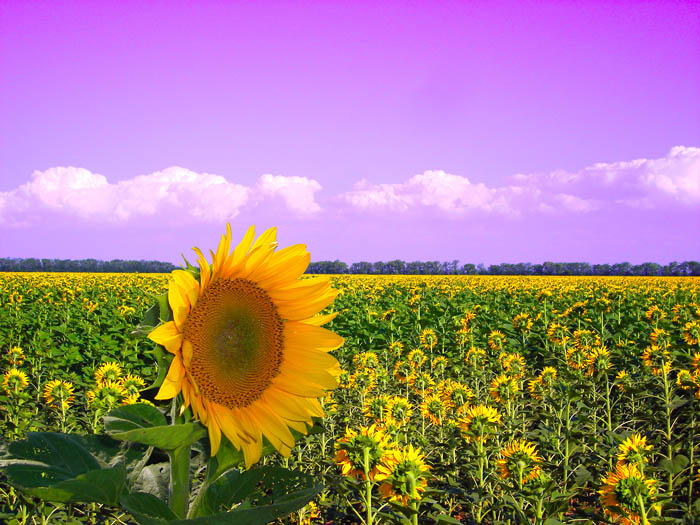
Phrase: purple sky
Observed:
(481, 131)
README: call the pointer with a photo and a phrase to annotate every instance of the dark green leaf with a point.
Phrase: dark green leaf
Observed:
(145, 424)
(147, 509)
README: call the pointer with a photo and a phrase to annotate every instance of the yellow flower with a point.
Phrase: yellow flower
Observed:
(416, 358)
(519, 460)
(376, 407)
(548, 375)
(634, 449)
(111, 371)
(621, 491)
(657, 359)
(513, 364)
(479, 422)
(402, 370)
(433, 409)
(557, 333)
(497, 340)
(408, 476)
(440, 363)
(597, 360)
(655, 314)
(396, 348)
(428, 338)
(14, 380)
(59, 393)
(131, 399)
(132, 383)
(622, 380)
(522, 323)
(15, 356)
(351, 448)
(691, 332)
(504, 388)
(576, 358)
(106, 395)
(399, 409)
(660, 337)
(475, 357)
(365, 360)
(249, 353)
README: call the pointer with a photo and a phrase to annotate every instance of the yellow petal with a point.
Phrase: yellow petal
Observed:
(295, 370)
(319, 320)
(297, 333)
(167, 335)
(298, 310)
(188, 285)
(204, 270)
(297, 386)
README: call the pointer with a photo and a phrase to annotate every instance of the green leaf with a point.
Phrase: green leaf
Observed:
(145, 424)
(262, 494)
(57, 467)
(444, 518)
(147, 509)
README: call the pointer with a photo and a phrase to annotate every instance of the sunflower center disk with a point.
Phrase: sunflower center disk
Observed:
(237, 341)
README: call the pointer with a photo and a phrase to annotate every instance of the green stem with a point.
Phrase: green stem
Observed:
(669, 448)
(642, 510)
(179, 480)
(368, 487)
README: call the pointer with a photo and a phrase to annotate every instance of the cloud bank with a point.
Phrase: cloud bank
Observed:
(175, 191)
(671, 182)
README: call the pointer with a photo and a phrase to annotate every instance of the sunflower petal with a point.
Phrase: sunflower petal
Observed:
(167, 335)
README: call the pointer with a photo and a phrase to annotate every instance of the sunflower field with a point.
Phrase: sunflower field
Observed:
(460, 399)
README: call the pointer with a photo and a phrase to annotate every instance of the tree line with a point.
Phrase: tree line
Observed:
(396, 267)
(399, 267)
(84, 265)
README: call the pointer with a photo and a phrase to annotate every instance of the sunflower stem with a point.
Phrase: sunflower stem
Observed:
(179, 480)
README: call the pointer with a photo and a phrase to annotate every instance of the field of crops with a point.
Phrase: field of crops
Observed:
(484, 399)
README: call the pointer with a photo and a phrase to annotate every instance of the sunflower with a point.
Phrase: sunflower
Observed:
(250, 356)
(548, 376)
(408, 478)
(623, 380)
(111, 371)
(421, 382)
(402, 371)
(399, 409)
(15, 356)
(634, 449)
(14, 380)
(396, 348)
(479, 422)
(497, 340)
(440, 364)
(519, 460)
(350, 455)
(376, 407)
(685, 380)
(106, 395)
(623, 490)
(598, 360)
(132, 383)
(655, 314)
(433, 408)
(59, 393)
(416, 357)
(365, 360)
(428, 338)
(504, 388)
(657, 359)
(475, 357)
(557, 333)
(691, 332)
(660, 337)
(456, 395)
(522, 323)
(513, 364)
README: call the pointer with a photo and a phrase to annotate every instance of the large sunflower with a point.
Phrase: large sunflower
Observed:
(250, 356)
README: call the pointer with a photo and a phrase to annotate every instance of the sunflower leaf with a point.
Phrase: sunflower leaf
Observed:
(58, 467)
(147, 509)
(261, 495)
(145, 424)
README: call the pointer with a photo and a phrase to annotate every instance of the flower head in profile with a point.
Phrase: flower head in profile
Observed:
(14, 381)
(634, 449)
(519, 460)
(367, 450)
(504, 388)
(428, 338)
(657, 359)
(250, 356)
(59, 393)
(106, 395)
(408, 476)
(433, 409)
(399, 409)
(497, 340)
(15, 356)
(622, 491)
(479, 422)
(132, 383)
(111, 371)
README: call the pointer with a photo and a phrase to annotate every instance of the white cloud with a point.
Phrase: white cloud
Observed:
(297, 192)
(450, 193)
(173, 192)
(670, 181)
